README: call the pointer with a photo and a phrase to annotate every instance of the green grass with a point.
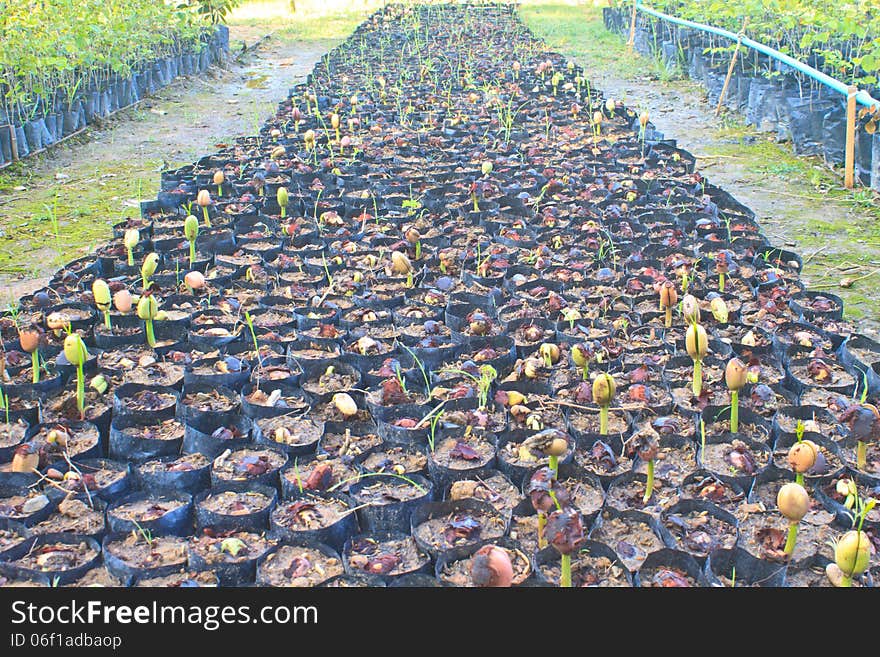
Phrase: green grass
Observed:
(86, 209)
(313, 20)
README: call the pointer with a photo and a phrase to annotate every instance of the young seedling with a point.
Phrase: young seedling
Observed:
(647, 444)
(597, 124)
(435, 420)
(147, 309)
(219, 179)
(603, 394)
(668, 299)
(719, 309)
(722, 268)
(400, 264)
(421, 366)
(552, 443)
(76, 354)
(191, 232)
(148, 268)
(697, 344)
(130, 240)
(735, 375)
(476, 205)
(794, 503)
(30, 339)
(581, 355)
(864, 426)
(644, 117)
(545, 494)
(690, 309)
(852, 552)
(565, 532)
(250, 324)
(283, 197)
(802, 457)
(103, 299)
(550, 353)
(309, 141)
(145, 534)
(334, 123)
(555, 80)
(204, 200)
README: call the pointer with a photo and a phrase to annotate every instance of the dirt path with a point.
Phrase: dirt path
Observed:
(89, 185)
(799, 203)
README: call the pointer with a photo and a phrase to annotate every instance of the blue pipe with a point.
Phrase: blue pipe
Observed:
(862, 97)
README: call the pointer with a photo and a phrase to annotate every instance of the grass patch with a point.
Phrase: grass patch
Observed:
(304, 20)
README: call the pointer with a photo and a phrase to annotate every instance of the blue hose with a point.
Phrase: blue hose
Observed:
(862, 97)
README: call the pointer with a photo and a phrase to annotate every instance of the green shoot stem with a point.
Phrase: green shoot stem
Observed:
(792, 538)
(35, 365)
(861, 455)
(151, 339)
(205, 213)
(668, 316)
(603, 420)
(734, 411)
(107, 319)
(81, 391)
(565, 576)
(131, 257)
(697, 383)
(649, 486)
(554, 466)
(192, 253)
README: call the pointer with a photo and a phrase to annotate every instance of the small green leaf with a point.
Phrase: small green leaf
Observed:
(232, 546)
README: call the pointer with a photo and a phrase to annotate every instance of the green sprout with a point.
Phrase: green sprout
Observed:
(250, 324)
(435, 420)
(4, 404)
(191, 232)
